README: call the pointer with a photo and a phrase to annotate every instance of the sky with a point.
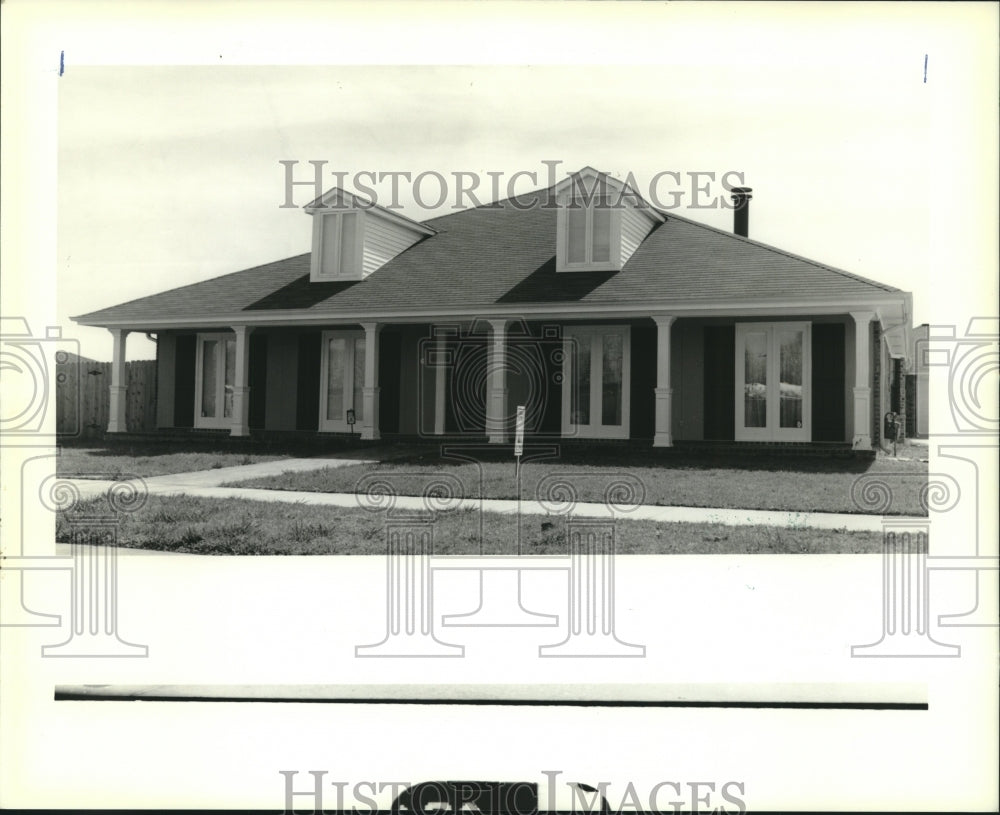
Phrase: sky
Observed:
(170, 174)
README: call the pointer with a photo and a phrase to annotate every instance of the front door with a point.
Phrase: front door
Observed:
(773, 382)
(214, 377)
(342, 380)
(596, 362)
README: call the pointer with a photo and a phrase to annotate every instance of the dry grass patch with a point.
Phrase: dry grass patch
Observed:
(213, 526)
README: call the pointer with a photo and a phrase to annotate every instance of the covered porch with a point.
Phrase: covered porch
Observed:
(769, 377)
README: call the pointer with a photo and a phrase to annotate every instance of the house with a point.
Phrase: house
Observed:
(605, 317)
(917, 382)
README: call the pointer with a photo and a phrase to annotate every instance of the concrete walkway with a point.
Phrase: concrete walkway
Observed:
(244, 472)
(706, 515)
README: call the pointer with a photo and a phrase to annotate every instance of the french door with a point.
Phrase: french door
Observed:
(215, 374)
(342, 380)
(773, 382)
(596, 363)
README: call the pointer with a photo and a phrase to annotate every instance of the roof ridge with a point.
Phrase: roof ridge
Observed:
(786, 253)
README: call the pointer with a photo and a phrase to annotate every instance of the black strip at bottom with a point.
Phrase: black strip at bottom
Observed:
(69, 696)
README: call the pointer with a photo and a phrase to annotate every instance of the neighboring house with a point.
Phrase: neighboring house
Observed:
(605, 317)
(918, 408)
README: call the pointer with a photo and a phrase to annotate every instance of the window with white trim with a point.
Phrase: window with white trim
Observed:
(340, 245)
(774, 381)
(342, 380)
(596, 381)
(589, 234)
(215, 375)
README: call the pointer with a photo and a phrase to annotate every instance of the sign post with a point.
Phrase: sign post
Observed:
(519, 433)
(518, 451)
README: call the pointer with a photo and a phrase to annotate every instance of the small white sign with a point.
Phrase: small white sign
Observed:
(519, 432)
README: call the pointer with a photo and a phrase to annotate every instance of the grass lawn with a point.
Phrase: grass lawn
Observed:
(671, 479)
(241, 527)
(108, 460)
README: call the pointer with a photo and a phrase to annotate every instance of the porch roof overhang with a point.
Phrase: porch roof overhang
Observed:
(891, 309)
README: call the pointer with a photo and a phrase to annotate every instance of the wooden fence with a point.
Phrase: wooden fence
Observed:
(84, 399)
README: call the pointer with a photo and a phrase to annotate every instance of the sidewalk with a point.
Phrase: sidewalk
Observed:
(220, 475)
(176, 485)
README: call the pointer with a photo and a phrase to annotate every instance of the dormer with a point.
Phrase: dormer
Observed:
(600, 222)
(353, 237)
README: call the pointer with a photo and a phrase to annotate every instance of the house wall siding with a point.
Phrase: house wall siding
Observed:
(383, 241)
(635, 227)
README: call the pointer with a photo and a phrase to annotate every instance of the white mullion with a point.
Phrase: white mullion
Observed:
(336, 243)
(773, 416)
(596, 374)
(567, 383)
(199, 373)
(350, 349)
(220, 366)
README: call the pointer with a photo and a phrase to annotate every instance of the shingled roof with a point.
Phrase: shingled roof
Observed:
(501, 255)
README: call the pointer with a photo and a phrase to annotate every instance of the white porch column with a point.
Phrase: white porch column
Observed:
(663, 431)
(241, 387)
(862, 377)
(496, 399)
(370, 418)
(116, 413)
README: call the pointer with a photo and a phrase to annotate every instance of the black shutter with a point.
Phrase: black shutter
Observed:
(258, 379)
(307, 402)
(828, 372)
(389, 360)
(184, 374)
(720, 382)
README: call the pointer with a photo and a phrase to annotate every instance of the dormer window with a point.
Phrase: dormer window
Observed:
(588, 234)
(591, 234)
(340, 245)
(600, 222)
(353, 238)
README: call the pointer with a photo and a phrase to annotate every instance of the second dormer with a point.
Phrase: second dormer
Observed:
(353, 237)
(600, 222)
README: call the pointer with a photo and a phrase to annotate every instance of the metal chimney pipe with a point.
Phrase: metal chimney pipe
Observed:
(741, 213)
